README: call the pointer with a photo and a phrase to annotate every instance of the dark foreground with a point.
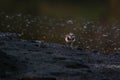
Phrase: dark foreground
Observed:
(36, 60)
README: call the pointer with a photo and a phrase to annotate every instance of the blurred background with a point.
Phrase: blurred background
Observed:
(96, 23)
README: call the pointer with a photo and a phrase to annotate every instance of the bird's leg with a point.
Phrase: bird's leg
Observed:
(71, 44)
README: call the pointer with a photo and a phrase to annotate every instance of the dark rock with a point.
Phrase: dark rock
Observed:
(43, 46)
(99, 61)
(59, 58)
(57, 73)
(25, 53)
(9, 65)
(49, 52)
(38, 78)
(32, 41)
(78, 48)
(2, 43)
(76, 65)
(62, 63)
(65, 73)
(95, 51)
(23, 61)
(105, 79)
(37, 45)
(27, 58)
(89, 71)
(33, 50)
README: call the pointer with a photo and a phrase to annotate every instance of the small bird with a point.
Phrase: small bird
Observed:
(70, 38)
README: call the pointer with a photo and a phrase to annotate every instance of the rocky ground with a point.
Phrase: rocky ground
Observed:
(36, 60)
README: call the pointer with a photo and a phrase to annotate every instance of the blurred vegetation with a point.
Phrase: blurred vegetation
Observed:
(104, 8)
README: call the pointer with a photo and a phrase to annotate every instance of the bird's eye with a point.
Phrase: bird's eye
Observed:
(68, 38)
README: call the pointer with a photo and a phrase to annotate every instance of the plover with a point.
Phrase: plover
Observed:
(70, 39)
